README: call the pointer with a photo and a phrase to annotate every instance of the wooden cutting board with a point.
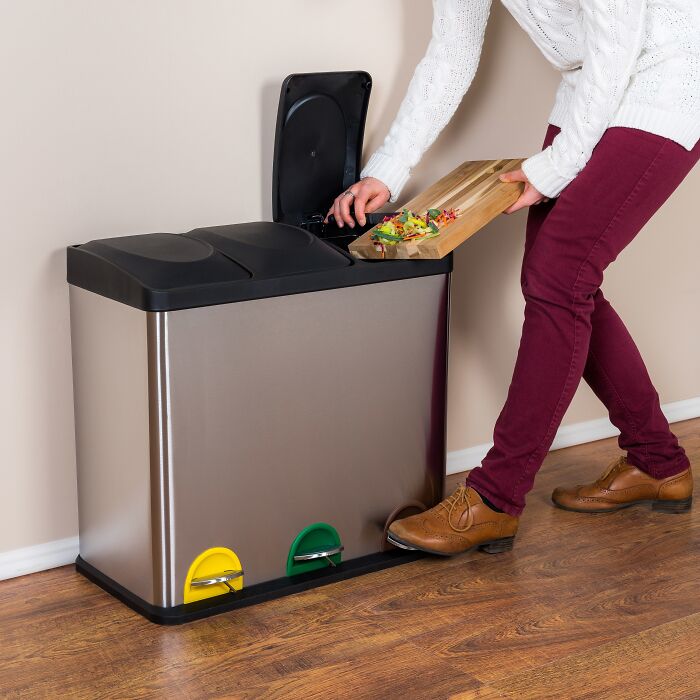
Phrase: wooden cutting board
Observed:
(473, 188)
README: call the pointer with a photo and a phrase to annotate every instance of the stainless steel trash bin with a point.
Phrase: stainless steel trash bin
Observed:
(252, 404)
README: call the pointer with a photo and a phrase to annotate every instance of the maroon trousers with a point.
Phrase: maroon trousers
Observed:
(570, 330)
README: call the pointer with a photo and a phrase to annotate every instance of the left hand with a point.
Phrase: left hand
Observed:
(529, 196)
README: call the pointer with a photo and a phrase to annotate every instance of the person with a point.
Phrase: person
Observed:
(622, 135)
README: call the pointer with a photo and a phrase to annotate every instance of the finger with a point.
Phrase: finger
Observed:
(526, 199)
(522, 202)
(515, 206)
(345, 214)
(330, 211)
(377, 202)
(379, 199)
(513, 176)
(336, 213)
(359, 205)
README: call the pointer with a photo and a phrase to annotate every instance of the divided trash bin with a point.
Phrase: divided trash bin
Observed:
(251, 402)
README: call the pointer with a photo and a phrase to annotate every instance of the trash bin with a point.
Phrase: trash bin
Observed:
(252, 403)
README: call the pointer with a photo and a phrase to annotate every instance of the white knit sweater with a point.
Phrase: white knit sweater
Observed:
(629, 63)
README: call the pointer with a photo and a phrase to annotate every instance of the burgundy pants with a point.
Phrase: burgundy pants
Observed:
(570, 330)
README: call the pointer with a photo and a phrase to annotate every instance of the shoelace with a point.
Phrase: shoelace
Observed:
(458, 498)
(611, 468)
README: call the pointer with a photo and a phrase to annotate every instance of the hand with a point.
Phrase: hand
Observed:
(529, 196)
(370, 195)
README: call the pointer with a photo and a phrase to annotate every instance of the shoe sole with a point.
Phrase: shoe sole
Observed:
(504, 544)
(682, 506)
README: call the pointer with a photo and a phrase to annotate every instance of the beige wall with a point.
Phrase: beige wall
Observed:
(128, 116)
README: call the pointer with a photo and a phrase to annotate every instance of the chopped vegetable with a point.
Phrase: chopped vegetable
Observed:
(408, 226)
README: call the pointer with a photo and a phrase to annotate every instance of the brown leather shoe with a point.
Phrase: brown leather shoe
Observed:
(623, 485)
(461, 522)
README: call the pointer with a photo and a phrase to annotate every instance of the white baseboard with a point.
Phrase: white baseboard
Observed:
(39, 557)
(49, 555)
(574, 434)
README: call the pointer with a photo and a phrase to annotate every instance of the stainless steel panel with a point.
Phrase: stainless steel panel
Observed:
(239, 425)
(283, 412)
(110, 379)
(161, 477)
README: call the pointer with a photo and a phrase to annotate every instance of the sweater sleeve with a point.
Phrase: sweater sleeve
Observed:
(613, 31)
(438, 85)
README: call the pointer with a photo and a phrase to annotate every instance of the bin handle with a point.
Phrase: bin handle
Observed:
(320, 554)
(222, 577)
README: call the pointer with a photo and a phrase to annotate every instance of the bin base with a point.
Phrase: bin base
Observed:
(251, 595)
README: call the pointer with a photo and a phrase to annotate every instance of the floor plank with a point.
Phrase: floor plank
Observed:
(615, 595)
(661, 662)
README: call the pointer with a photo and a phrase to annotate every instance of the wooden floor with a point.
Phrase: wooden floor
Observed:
(585, 606)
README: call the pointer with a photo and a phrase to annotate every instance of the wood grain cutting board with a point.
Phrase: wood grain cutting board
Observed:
(473, 188)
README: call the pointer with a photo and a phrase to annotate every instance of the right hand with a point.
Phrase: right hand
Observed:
(370, 195)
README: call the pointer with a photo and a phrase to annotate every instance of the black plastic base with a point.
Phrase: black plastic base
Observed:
(258, 593)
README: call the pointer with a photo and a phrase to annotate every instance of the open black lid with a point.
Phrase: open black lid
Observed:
(318, 146)
(318, 141)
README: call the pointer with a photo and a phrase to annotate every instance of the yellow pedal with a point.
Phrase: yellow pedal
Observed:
(214, 572)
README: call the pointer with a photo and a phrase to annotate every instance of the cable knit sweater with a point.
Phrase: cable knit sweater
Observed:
(629, 63)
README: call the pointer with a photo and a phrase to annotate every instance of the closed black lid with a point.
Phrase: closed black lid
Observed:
(318, 141)
(144, 271)
(166, 260)
(165, 271)
(272, 250)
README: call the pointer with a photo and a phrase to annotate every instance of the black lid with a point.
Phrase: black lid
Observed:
(318, 141)
(272, 250)
(143, 271)
(317, 154)
(224, 264)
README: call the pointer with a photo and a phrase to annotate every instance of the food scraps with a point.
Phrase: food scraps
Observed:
(407, 226)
